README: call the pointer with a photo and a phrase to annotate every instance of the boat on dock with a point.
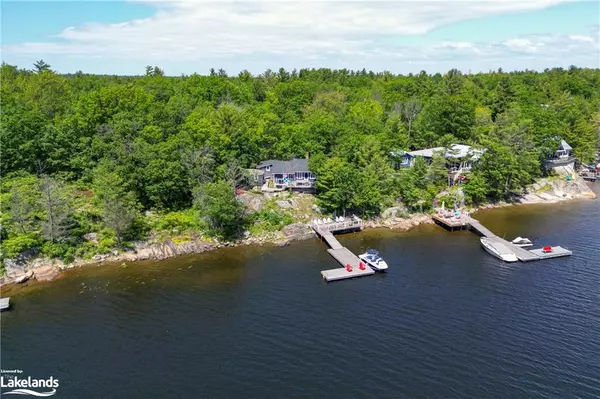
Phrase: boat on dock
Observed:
(522, 242)
(498, 249)
(372, 258)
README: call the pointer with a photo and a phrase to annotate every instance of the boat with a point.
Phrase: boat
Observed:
(372, 258)
(4, 304)
(498, 250)
(522, 242)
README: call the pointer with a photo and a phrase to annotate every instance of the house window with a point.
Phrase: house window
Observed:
(268, 168)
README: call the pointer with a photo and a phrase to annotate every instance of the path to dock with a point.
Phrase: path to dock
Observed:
(340, 253)
(524, 255)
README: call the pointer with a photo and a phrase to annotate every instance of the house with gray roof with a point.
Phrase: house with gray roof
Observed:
(281, 175)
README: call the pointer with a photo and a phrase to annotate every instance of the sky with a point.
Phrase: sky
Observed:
(188, 36)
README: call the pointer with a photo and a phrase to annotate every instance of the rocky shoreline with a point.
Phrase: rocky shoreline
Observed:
(396, 218)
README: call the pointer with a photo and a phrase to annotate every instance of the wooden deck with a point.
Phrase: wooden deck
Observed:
(340, 253)
(524, 255)
(452, 223)
(345, 257)
(557, 252)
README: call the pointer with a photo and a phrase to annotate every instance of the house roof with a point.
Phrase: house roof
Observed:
(565, 146)
(455, 151)
(427, 152)
(462, 151)
(293, 165)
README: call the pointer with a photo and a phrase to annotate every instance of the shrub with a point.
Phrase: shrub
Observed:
(269, 220)
(14, 246)
(181, 221)
(61, 250)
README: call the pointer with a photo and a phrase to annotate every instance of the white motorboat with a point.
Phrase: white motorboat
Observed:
(498, 250)
(522, 242)
(372, 258)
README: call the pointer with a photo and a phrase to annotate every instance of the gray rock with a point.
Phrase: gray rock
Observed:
(284, 204)
(91, 237)
(394, 212)
(252, 201)
(297, 231)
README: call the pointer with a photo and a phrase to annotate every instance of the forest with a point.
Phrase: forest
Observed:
(123, 156)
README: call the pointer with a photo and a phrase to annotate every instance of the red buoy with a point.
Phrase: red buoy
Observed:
(361, 266)
(348, 267)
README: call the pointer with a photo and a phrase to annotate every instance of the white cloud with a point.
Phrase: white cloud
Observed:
(194, 31)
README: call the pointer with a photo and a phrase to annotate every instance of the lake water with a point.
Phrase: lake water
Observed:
(448, 320)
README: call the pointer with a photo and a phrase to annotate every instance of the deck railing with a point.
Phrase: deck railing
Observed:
(338, 226)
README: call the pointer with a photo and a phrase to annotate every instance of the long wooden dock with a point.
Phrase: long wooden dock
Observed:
(340, 253)
(464, 222)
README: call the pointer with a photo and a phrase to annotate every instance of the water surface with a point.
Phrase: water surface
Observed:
(448, 320)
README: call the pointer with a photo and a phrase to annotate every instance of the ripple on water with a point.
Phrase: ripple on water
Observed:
(447, 320)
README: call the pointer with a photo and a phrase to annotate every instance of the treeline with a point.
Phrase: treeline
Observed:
(128, 145)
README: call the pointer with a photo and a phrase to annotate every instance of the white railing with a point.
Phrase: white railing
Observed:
(336, 226)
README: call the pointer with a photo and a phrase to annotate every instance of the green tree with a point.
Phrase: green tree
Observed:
(476, 189)
(57, 219)
(223, 213)
(336, 185)
(24, 203)
(119, 207)
(41, 66)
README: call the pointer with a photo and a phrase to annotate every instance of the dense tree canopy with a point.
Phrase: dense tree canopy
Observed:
(165, 138)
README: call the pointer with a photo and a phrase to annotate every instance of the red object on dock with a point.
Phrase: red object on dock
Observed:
(547, 249)
(348, 267)
(361, 266)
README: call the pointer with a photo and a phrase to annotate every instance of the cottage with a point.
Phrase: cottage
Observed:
(280, 175)
(562, 157)
(459, 157)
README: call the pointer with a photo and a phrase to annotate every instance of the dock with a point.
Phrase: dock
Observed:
(466, 222)
(4, 303)
(340, 253)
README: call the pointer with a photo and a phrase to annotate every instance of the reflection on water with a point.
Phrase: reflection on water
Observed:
(447, 320)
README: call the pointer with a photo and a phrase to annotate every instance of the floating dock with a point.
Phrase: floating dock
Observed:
(557, 252)
(466, 222)
(4, 303)
(340, 253)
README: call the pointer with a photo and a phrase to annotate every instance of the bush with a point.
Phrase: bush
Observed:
(14, 246)
(269, 220)
(181, 221)
(64, 251)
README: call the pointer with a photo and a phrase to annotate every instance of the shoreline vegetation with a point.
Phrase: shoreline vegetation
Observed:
(119, 168)
(46, 269)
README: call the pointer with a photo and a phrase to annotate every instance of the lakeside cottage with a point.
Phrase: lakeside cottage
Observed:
(281, 175)
(459, 159)
(562, 157)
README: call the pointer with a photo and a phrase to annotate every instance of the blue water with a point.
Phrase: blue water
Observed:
(448, 320)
